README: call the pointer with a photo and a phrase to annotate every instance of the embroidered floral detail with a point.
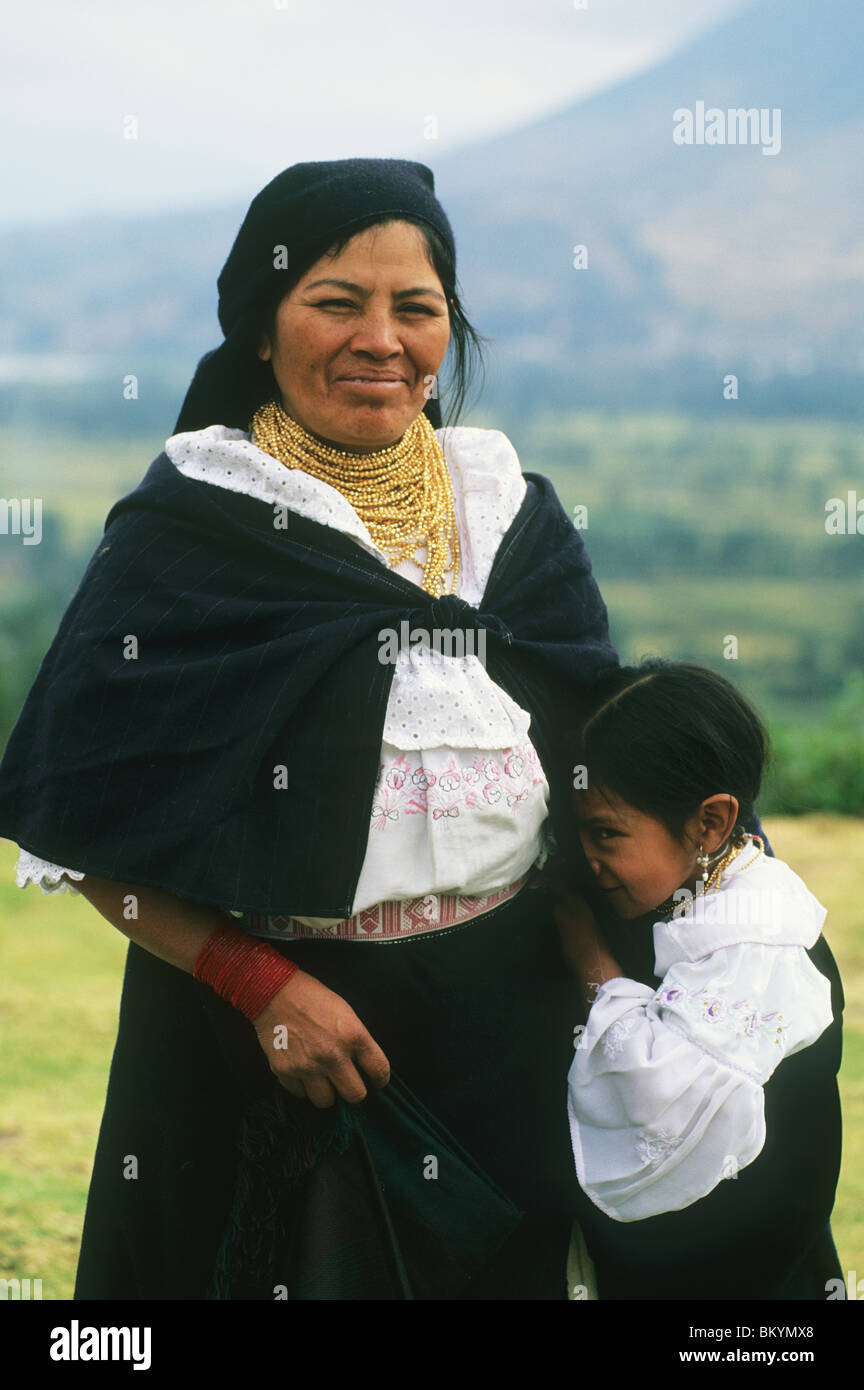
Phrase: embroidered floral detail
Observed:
(616, 1035)
(740, 1018)
(407, 787)
(652, 1145)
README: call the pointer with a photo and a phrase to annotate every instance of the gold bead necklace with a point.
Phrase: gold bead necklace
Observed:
(737, 843)
(402, 493)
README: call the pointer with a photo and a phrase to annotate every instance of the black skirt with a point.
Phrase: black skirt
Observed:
(455, 1181)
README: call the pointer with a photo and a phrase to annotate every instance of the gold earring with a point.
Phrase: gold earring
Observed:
(703, 860)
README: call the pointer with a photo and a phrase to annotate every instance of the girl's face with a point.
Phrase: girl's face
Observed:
(636, 861)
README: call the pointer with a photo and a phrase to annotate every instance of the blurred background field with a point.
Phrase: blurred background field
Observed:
(59, 998)
(699, 529)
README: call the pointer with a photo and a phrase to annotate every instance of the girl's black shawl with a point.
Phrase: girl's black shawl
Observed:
(208, 719)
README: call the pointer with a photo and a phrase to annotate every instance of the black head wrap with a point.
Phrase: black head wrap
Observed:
(304, 207)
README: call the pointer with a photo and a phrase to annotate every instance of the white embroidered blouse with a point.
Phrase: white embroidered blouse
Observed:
(461, 798)
(665, 1090)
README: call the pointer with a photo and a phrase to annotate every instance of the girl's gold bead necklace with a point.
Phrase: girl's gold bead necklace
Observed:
(737, 842)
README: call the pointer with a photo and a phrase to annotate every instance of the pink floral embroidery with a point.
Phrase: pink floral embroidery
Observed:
(406, 787)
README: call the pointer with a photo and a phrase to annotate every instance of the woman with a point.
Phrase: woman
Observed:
(305, 828)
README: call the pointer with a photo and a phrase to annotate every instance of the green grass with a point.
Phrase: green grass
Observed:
(59, 995)
(827, 852)
(62, 967)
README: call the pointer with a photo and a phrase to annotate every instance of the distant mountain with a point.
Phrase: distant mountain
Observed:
(702, 259)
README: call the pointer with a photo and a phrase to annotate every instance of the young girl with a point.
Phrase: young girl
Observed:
(703, 1099)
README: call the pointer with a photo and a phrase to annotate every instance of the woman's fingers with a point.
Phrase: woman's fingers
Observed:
(348, 1082)
(373, 1061)
(317, 1046)
(344, 1078)
(340, 1077)
(292, 1084)
(320, 1092)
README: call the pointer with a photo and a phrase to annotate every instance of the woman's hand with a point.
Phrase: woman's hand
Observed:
(316, 1044)
(312, 1038)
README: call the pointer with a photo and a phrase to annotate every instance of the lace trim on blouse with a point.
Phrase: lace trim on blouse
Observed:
(31, 869)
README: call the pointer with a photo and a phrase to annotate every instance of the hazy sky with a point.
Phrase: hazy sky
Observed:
(226, 93)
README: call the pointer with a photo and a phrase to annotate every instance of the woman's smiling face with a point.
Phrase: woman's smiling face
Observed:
(358, 339)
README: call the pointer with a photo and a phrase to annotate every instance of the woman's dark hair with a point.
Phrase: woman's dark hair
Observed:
(464, 352)
(665, 735)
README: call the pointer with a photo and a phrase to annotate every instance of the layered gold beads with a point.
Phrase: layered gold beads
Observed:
(403, 493)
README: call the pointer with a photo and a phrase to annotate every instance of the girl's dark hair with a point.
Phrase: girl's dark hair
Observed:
(465, 349)
(665, 735)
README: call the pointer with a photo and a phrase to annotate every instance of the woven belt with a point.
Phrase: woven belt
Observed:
(389, 921)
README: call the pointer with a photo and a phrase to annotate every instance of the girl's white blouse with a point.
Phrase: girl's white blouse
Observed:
(461, 798)
(665, 1090)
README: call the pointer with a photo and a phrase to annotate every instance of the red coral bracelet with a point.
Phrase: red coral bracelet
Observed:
(244, 972)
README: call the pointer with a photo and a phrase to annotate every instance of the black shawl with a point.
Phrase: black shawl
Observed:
(208, 718)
